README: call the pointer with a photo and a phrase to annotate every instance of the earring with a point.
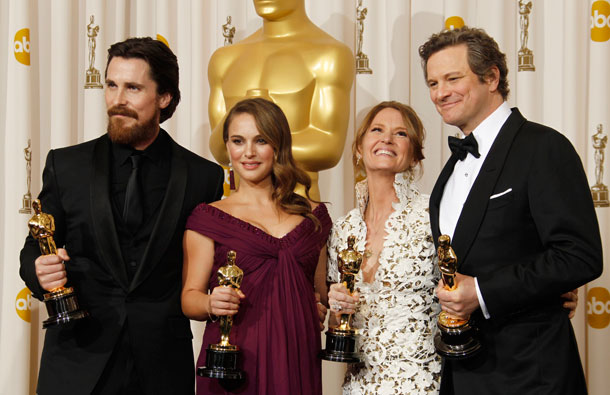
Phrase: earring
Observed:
(231, 177)
(358, 157)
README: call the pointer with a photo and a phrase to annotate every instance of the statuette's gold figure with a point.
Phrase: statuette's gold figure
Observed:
(42, 228)
(599, 190)
(362, 61)
(350, 261)
(526, 57)
(228, 31)
(229, 275)
(305, 71)
(26, 201)
(92, 74)
(447, 263)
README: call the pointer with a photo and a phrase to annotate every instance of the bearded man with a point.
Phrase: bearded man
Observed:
(120, 204)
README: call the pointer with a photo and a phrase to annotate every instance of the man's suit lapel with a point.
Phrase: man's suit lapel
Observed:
(101, 212)
(168, 218)
(437, 194)
(475, 206)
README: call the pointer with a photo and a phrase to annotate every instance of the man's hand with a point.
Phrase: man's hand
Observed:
(460, 302)
(51, 271)
(571, 302)
(321, 311)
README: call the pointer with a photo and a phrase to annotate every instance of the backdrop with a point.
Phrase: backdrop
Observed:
(46, 51)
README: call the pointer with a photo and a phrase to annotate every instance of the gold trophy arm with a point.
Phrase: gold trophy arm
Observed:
(219, 62)
(320, 144)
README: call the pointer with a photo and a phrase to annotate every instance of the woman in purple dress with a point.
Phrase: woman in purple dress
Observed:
(278, 236)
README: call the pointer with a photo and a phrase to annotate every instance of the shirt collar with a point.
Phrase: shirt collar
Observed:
(487, 130)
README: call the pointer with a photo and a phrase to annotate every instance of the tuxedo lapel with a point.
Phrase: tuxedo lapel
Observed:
(476, 203)
(437, 194)
(102, 219)
(168, 219)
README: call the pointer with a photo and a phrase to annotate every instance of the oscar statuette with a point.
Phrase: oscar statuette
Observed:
(221, 360)
(342, 341)
(61, 303)
(456, 336)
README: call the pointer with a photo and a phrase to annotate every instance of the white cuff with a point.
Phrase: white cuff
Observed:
(481, 301)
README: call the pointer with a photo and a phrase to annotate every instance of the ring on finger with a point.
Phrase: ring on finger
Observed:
(337, 306)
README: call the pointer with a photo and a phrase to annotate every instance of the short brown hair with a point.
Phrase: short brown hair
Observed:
(415, 130)
(483, 53)
(162, 62)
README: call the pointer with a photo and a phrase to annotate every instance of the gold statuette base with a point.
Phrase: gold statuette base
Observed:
(600, 195)
(62, 307)
(362, 64)
(526, 61)
(456, 338)
(93, 79)
(26, 204)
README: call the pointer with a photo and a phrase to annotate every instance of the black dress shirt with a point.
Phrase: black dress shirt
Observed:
(154, 177)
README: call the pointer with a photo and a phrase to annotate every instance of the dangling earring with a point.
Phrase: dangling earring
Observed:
(231, 177)
(358, 157)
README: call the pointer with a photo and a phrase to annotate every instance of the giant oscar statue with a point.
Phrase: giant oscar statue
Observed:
(301, 68)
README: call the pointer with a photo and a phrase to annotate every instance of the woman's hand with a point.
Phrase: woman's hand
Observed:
(340, 301)
(322, 310)
(224, 301)
(571, 302)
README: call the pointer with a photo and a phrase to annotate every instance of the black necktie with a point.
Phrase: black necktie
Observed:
(461, 147)
(133, 211)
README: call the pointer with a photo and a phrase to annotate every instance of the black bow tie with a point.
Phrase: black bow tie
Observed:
(461, 147)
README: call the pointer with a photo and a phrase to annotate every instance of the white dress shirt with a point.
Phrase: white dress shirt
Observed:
(464, 175)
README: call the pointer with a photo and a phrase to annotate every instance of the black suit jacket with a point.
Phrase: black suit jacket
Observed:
(526, 247)
(76, 192)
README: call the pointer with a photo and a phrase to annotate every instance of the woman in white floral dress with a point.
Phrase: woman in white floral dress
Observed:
(397, 309)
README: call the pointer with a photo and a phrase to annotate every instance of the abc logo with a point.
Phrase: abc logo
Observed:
(22, 46)
(23, 304)
(454, 22)
(600, 21)
(598, 307)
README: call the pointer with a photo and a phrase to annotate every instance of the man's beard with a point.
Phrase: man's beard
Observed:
(132, 135)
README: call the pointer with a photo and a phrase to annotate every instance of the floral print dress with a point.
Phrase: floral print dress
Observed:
(397, 312)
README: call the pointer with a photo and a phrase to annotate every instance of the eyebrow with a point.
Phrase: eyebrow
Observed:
(129, 83)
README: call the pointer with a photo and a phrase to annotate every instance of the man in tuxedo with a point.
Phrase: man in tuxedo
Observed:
(515, 200)
(120, 204)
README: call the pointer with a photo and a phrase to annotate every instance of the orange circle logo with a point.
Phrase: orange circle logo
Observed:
(454, 22)
(23, 304)
(598, 307)
(22, 46)
(600, 21)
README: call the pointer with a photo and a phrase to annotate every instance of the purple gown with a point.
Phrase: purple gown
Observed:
(277, 326)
